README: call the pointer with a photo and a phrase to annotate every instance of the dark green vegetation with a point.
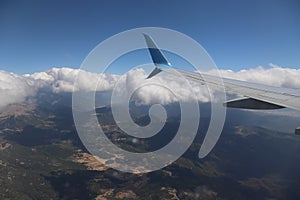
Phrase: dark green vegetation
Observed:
(38, 145)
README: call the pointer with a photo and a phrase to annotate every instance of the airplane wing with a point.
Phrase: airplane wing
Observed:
(256, 96)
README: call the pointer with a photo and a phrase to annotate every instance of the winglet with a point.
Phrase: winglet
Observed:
(157, 56)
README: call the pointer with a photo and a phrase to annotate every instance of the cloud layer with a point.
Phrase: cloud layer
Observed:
(274, 76)
(15, 88)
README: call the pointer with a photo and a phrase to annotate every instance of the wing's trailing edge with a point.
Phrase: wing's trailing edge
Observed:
(258, 96)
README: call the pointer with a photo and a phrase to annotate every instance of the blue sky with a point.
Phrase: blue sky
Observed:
(38, 35)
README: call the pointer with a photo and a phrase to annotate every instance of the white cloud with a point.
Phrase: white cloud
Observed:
(15, 88)
(163, 89)
(63, 79)
(274, 76)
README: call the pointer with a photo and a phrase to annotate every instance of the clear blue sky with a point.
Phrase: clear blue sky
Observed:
(38, 35)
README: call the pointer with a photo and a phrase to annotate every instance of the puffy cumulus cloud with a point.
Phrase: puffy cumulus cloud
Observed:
(162, 89)
(159, 89)
(14, 88)
(63, 79)
(274, 76)
(100, 82)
